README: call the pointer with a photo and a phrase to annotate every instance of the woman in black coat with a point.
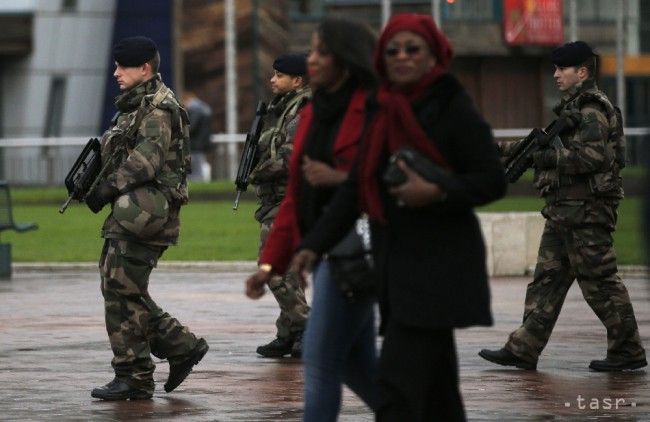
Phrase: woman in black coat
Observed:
(426, 237)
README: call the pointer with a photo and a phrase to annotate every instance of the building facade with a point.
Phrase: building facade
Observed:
(55, 66)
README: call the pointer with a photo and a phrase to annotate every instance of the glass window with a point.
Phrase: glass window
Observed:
(595, 10)
(69, 5)
(2, 127)
(644, 26)
(471, 10)
(54, 116)
(306, 9)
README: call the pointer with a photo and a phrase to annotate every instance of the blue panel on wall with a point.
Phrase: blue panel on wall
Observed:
(151, 18)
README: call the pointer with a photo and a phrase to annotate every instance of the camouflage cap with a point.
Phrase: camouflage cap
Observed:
(142, 211)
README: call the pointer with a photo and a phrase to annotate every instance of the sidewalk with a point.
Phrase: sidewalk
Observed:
(53, 350)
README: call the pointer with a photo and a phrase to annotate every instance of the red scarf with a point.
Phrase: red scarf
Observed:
(394, 124)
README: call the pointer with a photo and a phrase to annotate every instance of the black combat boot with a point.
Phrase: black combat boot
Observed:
(506, 358)
(119, 390)
(611, 365)
(180, 370)
(278, 348)
(296, 349)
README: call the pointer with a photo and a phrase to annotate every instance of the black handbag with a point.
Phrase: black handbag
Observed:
(352, 265)
(422, 165)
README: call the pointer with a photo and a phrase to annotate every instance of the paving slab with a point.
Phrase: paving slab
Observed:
(54, 349)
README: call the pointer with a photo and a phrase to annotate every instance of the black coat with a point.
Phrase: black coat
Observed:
(432, 259)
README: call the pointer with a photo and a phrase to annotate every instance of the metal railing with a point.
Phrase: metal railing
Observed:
(46, 161)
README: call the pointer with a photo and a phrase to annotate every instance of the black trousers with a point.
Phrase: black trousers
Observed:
(418, 375)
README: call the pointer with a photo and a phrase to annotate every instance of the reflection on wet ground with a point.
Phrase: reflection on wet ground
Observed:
(53, 350)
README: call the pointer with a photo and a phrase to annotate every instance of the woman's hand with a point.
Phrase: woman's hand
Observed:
(302, 264)
(317, 173)
(255, 284)
(416, 191)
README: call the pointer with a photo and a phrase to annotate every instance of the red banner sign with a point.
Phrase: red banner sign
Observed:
(533, 22)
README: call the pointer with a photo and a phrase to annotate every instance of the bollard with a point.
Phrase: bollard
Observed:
(5, 260)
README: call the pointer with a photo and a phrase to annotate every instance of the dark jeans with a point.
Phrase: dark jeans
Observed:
(418, 375)
(339, 346)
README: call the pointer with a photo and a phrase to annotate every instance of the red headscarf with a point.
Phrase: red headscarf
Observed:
(395, 125)
(422, 25)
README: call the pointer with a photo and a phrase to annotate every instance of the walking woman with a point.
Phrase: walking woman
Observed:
(339, 342)
(432, 264)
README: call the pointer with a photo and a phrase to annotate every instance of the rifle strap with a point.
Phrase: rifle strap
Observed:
(156, 99)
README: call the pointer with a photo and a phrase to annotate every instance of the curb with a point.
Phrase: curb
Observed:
(186, 266)
(634, 271)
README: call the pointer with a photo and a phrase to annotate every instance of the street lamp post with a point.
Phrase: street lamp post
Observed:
(620, 58)
(231, 85)
(435, 11)
(573, 21)
(385, 12)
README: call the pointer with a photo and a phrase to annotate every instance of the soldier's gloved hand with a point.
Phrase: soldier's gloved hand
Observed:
(545, 159)
(100, 196)
(572, 116)
(502, 147)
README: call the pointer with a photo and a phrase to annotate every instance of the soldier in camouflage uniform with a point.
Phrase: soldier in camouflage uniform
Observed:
(582, 187)
(270, 178)
(146, 154)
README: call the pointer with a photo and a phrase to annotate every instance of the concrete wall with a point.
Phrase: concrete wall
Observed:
(511, 241)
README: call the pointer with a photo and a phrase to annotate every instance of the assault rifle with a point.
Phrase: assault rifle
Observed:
(83, 174)
(87, 171)
(249, 155)
(521, 158)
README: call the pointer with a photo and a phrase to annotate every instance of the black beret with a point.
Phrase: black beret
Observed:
(291, 64)
(572, 54)
(134, 51)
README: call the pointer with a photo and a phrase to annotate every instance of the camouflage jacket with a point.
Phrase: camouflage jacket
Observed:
(147, 153)
(584, 184)
(588, 165)
(274, 149)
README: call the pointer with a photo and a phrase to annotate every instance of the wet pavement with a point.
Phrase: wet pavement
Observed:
(53, 350)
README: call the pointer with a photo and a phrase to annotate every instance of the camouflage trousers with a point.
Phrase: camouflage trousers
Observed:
(584, 253)
(289, 294)
(136, 326)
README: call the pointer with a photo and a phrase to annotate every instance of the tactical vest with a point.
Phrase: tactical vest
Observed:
(270, 141)
(148, 213)
(604, 182)
(277, 135)
(173, 184)
(615, 135)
